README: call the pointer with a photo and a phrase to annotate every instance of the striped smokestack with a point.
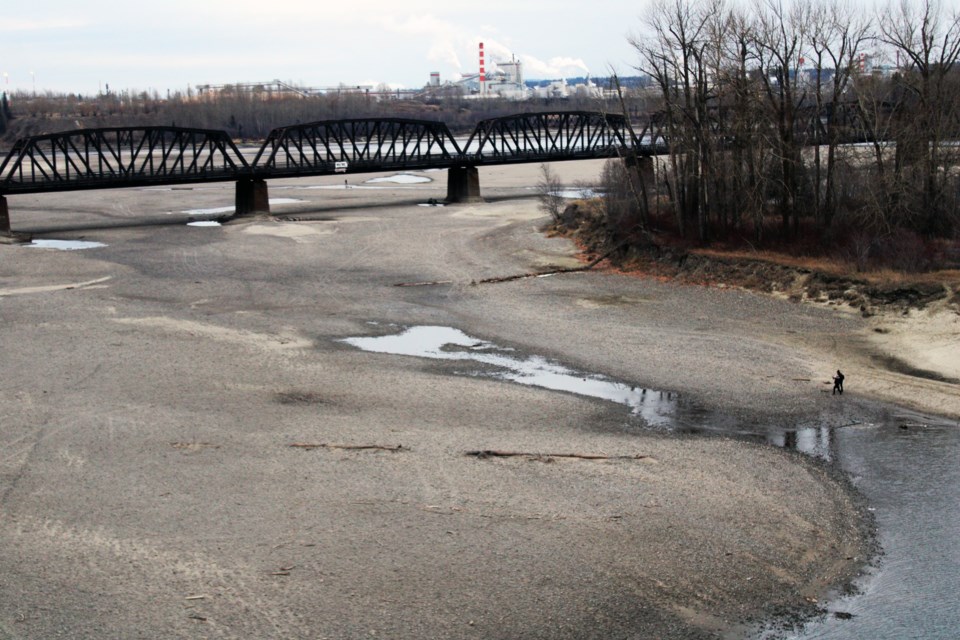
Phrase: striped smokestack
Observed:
(483, 73)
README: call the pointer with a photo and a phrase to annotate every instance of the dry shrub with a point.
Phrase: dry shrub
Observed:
(905, 251)
(549, 194)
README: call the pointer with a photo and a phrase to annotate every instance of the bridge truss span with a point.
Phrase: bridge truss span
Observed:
(548, 136)
(120, 157)
(367, 144)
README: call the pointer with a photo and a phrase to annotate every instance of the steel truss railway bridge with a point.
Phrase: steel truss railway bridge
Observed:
(112, 158)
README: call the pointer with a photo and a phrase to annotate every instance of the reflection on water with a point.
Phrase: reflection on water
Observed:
(818, 442)
(657, 408)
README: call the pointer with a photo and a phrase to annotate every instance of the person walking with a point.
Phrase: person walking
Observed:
(838, 383)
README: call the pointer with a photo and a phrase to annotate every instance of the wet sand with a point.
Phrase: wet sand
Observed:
(153, 389)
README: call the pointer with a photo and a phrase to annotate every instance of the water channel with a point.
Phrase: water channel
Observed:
(908, 468)
(906, 465)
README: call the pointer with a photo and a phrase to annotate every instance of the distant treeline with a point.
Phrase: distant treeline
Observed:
(252, 116)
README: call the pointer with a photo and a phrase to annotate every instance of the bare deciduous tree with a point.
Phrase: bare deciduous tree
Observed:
(928, 42)
(838, 33)
(550, 193)
(760, 107)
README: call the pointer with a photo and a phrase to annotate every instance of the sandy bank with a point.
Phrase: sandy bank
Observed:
(914, 360)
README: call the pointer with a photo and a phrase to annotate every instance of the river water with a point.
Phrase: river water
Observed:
(906, 465)
(911, 479)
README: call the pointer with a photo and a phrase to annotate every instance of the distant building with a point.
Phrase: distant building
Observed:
(560, 89)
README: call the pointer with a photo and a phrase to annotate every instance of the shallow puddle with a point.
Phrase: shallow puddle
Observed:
(660, 409)
(333, 187)
(657, 408)
(400, 178)
(65, 245)
(204, 223)
(578, 194)
(209, 212)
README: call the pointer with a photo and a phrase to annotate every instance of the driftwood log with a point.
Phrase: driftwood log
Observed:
(351, 447)
(521, 276)
(493, 453)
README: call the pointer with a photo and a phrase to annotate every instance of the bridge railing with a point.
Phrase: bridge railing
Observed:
(548, 135)
(120, 156)
(355, 145)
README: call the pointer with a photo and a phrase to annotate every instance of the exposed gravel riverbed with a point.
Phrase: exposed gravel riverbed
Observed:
(153, 388)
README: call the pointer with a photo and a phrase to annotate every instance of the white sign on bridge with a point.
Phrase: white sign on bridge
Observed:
(340, 166)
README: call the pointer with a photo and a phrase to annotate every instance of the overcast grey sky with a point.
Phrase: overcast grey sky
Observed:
(82, 45)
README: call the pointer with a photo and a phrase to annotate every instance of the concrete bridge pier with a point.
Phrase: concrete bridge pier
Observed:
(645, 169)
(6, 235)
(463, 185)
(251, 197)
(4, 216)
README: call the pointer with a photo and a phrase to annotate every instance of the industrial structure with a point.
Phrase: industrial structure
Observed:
(505, 80)
(502, 79)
